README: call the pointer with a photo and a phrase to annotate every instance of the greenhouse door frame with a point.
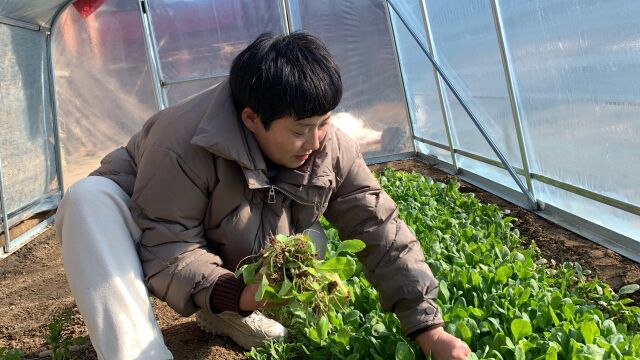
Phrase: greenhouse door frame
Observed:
(46, 202)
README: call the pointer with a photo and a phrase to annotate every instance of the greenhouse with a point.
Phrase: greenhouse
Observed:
(513, 121)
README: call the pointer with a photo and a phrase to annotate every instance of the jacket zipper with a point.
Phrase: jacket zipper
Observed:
(272, 195)
(271, 199)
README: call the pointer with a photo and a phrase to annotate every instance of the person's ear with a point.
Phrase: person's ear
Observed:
(250, 119)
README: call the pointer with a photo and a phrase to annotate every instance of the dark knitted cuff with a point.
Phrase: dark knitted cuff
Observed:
(225, 295)
(414, 334)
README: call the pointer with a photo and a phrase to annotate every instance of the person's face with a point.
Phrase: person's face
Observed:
(288, 142)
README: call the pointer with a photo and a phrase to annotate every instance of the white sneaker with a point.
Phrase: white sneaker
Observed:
(248, 332)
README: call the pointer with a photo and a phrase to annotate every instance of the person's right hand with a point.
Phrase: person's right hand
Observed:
(248, 299)
(441, 345)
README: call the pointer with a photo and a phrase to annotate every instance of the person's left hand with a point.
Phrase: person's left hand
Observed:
(442, 346)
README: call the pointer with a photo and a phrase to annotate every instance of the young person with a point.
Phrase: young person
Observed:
(206, 182)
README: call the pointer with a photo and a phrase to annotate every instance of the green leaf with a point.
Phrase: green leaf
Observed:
(323, 327)
(248, 273)
(343, 266)
(444, 290)
(608, 328)
(464, 331)
(351, 315)
(629, 289)
(552, 352)
(588, 352)
(351, 246)
(589, 330)
(556, 322)
(263, 285)
(305, 296)
(343, 336)
(520, 353)
(520, 328)
(378, 329)
(503, 273)
(282, 238)
(312, 333)
(286, 286)
(404, 351)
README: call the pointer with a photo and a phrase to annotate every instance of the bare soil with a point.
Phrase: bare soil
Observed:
(34, 290)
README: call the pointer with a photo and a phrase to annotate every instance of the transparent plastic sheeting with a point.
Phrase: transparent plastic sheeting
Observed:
(178, 92)
(609, 217)
(575, 71)
(372, 110)
(440, 154)
(466, 48)
(26, 145)
(419, 82)
(39, 12)
(103, 85)
(201, 37)
(576, 64)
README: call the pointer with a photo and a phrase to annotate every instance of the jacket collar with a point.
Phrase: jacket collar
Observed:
(222, 133)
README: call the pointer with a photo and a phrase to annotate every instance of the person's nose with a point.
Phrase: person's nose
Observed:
(313, 140)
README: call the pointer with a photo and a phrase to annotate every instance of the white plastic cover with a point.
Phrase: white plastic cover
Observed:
(465, 40)
(420, 81)
(466, 47)
(38, 12)
(201, 37)
(576, 65)
(181, 91)
(358, 35)
(103, 84)
(26, 145)
(577, 68)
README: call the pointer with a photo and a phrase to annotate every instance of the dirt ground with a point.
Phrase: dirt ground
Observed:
(34, 290)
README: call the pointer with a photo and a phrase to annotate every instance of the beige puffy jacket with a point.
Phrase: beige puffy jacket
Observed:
(200, 194)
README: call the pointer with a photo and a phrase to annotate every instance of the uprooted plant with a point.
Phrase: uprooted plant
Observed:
(288, 270)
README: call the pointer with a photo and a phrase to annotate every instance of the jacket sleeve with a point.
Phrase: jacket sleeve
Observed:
(393, 259)
(169, 203)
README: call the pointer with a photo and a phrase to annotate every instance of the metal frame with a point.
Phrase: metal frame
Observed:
(152, 54)
(29, 235)
(54, 110)
(192, 79)
(514, 95)
(19, 23)
(393, 157)
(287, 23)
(615, 203)
(396, 57)
(43, 203)
(533, 204)
(10, 245)
(159, 83)
(599, 234)
(5, 218)
(442, 95)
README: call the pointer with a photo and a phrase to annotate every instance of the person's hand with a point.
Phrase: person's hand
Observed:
(248, 300)
(442, 346)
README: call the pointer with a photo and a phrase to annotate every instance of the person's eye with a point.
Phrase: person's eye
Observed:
(298, 133)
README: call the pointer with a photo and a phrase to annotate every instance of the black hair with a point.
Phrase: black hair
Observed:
(285, 75)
